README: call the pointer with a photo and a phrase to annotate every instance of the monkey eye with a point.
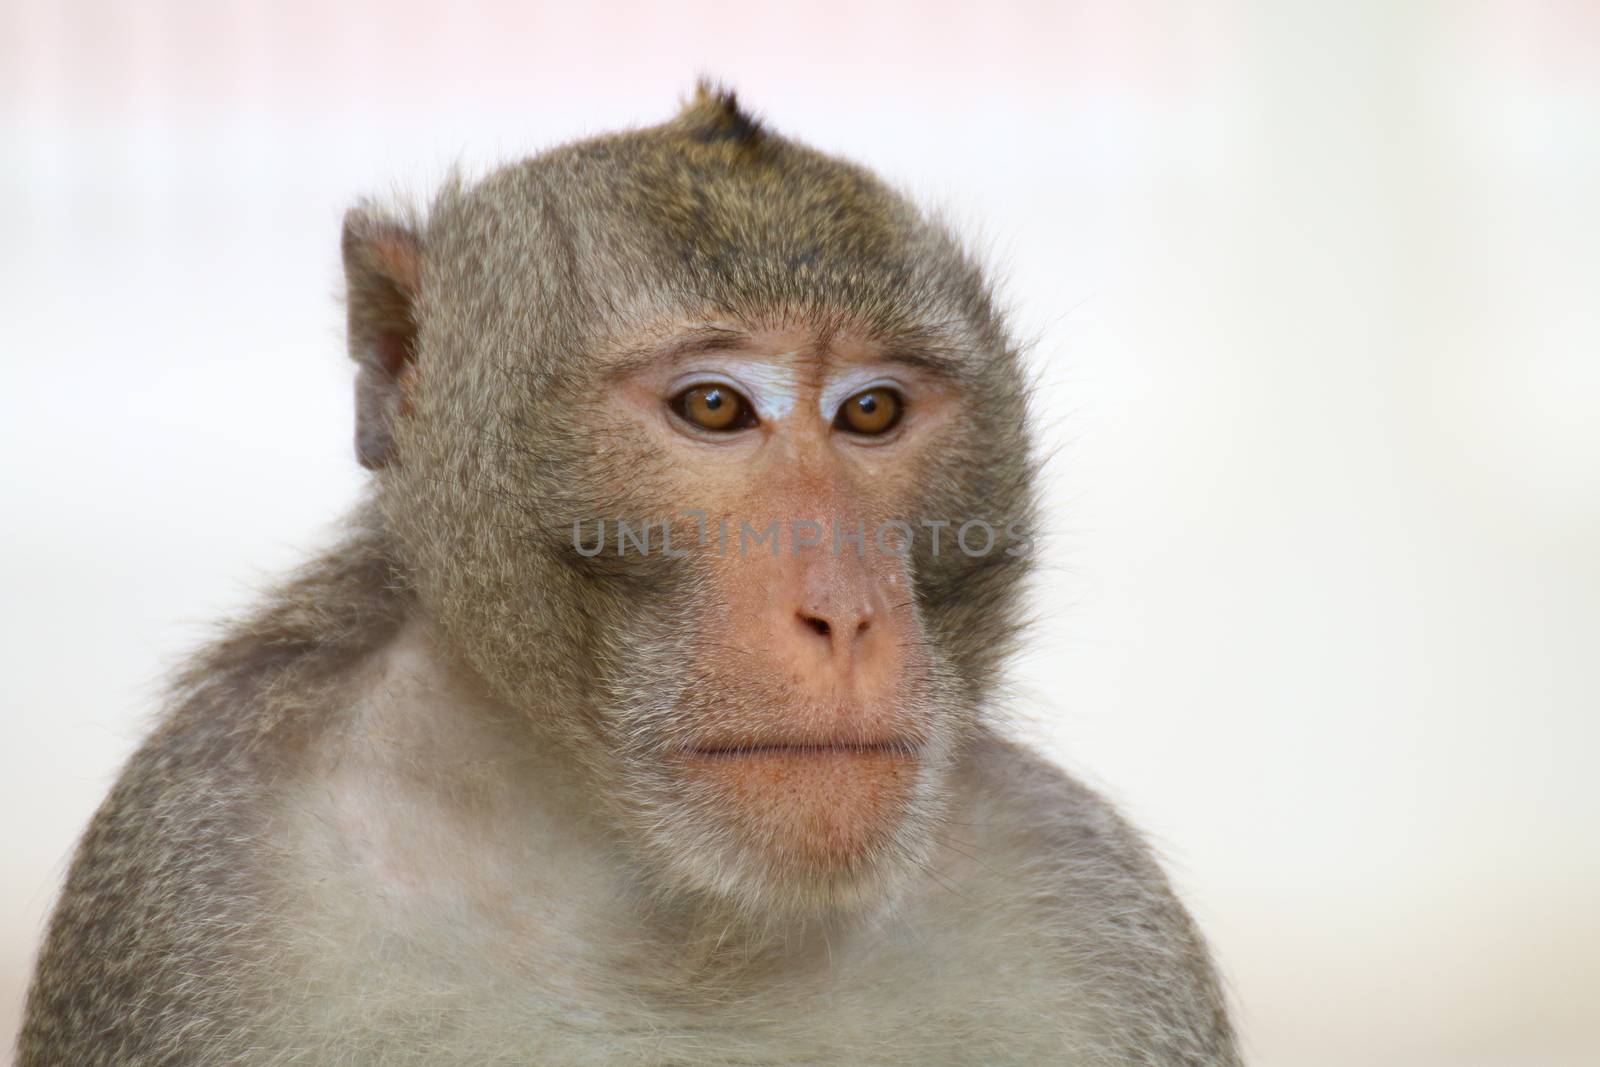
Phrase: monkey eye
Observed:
(714, 406)
(871, 412)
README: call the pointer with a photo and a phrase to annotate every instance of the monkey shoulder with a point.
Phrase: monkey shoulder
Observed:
(141, 952)
(1056, 888)
(167, 907)
(1055, 828)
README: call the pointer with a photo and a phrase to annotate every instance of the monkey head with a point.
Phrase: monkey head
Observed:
(675, 432)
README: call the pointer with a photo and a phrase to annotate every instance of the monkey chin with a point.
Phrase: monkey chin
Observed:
(812, 827)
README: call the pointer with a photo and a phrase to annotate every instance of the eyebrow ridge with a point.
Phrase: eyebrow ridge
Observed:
(704, 340)
(693, 342)
(927, 359)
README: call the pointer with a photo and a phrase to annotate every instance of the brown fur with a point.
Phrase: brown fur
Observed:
(366, 746)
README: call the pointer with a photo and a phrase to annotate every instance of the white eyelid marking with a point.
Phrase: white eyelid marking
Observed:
(772, 390)
(777, 388)
(848, 385)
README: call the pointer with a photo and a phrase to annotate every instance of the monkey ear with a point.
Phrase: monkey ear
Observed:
(383, 278)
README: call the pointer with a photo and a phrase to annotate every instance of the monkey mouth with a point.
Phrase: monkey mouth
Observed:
(894, 747)
(826, 804)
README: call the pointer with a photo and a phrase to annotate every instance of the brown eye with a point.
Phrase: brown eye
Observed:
(714, 406)
(871, 412)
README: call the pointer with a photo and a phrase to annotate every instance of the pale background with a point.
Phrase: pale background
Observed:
(1314, 292)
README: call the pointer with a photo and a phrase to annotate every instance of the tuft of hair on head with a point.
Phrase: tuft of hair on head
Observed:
(714, 116)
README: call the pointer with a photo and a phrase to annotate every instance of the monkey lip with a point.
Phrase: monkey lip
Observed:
(824, 802)
(803, 749)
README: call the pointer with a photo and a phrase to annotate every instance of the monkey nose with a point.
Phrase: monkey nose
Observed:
(840, 628)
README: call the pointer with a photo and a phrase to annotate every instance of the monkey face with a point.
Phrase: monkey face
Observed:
(709, 569)
(683, 469)
(794, 740)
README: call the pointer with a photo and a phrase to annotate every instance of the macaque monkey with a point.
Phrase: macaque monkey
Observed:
(646, 712)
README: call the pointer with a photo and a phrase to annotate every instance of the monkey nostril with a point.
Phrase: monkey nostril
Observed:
(819, 625)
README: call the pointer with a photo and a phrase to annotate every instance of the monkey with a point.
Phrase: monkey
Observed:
(734, 789)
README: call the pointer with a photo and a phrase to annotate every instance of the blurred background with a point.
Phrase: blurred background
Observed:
(1313, 292)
